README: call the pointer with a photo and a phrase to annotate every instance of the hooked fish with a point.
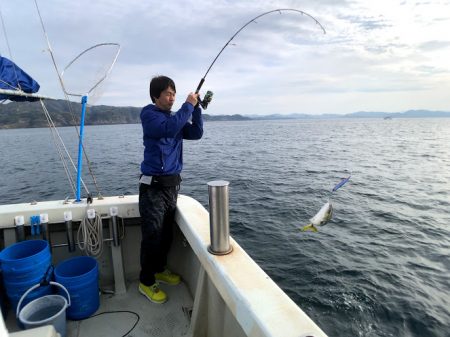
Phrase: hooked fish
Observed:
(321, 218)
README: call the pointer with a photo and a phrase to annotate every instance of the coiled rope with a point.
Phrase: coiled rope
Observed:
(90, 235)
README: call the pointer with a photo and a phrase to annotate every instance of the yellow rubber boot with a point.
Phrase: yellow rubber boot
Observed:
(168, 277)
(153, 293)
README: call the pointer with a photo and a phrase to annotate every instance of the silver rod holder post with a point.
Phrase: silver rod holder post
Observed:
(114, 212)
(45, 231)
(219, 218)
(45, 228)
(69, 231)
(69, 236)
(115, 233)
(20, 230)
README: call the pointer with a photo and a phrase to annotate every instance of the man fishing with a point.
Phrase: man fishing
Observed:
(163, 134)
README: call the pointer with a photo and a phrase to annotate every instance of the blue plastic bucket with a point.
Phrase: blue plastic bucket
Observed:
(15, 290)
(80, 277)
(24, 264)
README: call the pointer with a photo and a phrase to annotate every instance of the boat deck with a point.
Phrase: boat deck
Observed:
(215, 298)
(119, 313)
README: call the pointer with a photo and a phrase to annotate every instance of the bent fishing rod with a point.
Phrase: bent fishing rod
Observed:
(208, 95)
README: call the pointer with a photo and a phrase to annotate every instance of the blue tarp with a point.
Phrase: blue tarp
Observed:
(14, 78)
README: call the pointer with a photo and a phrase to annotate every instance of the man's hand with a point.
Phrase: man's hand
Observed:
(192, 98)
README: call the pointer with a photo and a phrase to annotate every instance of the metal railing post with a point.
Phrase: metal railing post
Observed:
(219, 218)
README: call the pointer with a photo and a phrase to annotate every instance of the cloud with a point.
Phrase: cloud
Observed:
(371, 51)
(434, 45)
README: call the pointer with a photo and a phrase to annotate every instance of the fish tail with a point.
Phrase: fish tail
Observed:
(309, 227)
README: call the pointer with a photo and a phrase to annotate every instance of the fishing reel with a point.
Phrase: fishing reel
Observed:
(206, 99)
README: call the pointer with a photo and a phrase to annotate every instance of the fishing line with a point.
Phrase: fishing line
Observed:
(9, 47)
(59, 146)
(61, 82)
(55, 134)
(66, 95)
(245, 25)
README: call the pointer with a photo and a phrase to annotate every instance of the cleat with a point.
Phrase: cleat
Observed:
(168, 277)
(153, 293)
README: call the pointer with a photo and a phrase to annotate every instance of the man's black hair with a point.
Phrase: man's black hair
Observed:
(158, 84)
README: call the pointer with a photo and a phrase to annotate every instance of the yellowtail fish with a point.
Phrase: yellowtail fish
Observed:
(320, 219)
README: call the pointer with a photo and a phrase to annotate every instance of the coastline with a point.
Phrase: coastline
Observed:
(29, 115)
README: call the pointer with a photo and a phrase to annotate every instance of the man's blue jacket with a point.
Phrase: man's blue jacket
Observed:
(163, 137)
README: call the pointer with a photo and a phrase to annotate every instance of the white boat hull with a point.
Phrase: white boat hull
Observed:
(231, 294)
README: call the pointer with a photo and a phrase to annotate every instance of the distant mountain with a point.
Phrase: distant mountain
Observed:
(359, 114)
(281, 116)
(63, 113)
(215, 118)
(30, 115)
(406, 114)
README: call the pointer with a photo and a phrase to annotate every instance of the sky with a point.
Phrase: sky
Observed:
(383, 55)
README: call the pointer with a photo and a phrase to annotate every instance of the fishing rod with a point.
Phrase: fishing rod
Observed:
(208, 95)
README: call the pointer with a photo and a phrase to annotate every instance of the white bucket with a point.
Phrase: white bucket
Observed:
(46, 310)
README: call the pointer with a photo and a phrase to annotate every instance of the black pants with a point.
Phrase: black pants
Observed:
(157, 207)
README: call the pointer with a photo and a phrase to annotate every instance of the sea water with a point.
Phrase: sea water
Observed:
(380, 267)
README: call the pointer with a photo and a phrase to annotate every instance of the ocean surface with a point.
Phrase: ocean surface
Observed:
(380, 267)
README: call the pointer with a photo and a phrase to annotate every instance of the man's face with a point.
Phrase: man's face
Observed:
(166, 99)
